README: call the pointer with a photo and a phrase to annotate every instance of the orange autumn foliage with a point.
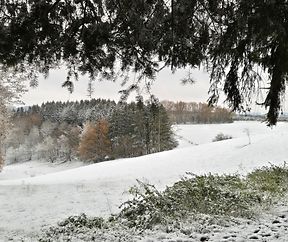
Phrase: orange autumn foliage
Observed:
(95, 144)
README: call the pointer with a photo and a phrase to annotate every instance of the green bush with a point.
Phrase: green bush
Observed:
(83, 221)
(207, 194)
(272, 180)
(222, 196)
(73, 225)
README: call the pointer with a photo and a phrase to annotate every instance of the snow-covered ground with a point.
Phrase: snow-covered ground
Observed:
(33, 194)
(35, 168)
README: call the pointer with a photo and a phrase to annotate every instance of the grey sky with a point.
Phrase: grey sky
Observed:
(166, 87)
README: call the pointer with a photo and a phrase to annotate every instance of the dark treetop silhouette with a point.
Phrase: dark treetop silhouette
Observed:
(234, 40)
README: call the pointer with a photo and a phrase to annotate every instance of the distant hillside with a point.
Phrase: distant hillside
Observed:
(196, 113)
(258, 117)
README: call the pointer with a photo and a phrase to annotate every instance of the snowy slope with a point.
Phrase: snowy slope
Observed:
(31, 202)
(202, 134)
(229, 156)
(35, 168)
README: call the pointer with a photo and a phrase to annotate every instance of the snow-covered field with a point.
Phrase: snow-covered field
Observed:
(34, 194)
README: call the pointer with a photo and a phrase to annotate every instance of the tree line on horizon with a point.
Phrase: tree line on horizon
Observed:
(96, 130)
(196, 113)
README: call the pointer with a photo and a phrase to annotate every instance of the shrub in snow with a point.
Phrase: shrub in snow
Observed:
(83, 228)
(82, 221)
(272, 180)
(200, 199)
(207, 194)
(221, 136)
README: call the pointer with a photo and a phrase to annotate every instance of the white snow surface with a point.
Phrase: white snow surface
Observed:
(37, 194)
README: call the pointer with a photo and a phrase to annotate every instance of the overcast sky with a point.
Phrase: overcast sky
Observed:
(167, 86)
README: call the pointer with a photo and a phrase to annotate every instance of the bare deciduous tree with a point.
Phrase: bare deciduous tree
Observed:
(11, 88)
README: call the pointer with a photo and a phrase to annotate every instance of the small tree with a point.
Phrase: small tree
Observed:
(11, 156)
(247, 132)
(69, 141)
(48, 149)
(1, 162)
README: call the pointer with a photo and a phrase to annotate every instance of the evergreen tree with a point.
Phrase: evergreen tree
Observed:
(236, 40)
(166, 140)
(138, 129)
(122, 131)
